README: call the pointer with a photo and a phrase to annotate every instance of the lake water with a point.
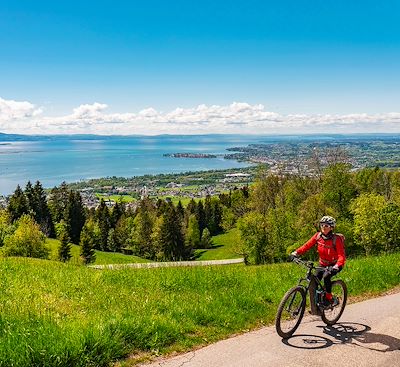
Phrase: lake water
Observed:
(52, 160)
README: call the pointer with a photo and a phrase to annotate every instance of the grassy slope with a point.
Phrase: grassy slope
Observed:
(101, 257)
(58, 314)
(226, 246)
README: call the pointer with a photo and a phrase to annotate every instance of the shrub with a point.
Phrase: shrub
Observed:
(27, 240)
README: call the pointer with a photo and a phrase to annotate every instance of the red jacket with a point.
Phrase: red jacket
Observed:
(328, 254)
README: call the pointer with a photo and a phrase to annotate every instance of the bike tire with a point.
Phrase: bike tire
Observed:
(331, 315)
(290, 312)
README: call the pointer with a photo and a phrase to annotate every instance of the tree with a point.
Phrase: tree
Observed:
(374, 180)
(310, 211)
(64, 251)
(6, 227)
(18, 204)
(200, 216)
(215, 219)
(206, 240)
(141, 242)
(367, 210)
(113, 243)
(41, 210)
(87, 242)
(228, 219)
(180, 210)
(338, 188)
(264, 192)
(31, 199)
(193, 233)
(141, 234)
(74, 216)
(116, 213)
(168, 237)
(58, 201)
(27, 240)
(103, 219)
(254, 232)
(389, 227)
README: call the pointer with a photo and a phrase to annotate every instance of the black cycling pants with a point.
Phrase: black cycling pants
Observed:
(321, 273)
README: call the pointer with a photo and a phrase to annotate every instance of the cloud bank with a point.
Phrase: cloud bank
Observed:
(235, 118)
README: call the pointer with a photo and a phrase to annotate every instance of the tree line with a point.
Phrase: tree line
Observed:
(274, 215)
(155, 229)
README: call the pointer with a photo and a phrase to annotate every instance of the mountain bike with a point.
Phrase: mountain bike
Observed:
(293, 304)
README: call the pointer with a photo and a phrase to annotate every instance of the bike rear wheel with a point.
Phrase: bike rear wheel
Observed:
(290, 311)
(332, 314)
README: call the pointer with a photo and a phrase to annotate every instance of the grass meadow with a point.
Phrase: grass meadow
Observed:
(101, 256)
(55, 314)
(225, 246)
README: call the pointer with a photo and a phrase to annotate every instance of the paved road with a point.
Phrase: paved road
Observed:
(368, 334)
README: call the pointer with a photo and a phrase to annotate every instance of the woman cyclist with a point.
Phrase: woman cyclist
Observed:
(331, 253)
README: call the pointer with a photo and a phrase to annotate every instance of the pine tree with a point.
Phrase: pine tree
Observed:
(58, 202)
(207, 212)
(214, 223)
(200, 216)
(141, 238)
(31, 199)
(180, 210)
(64, 251)
(18, 204)
(169, 237)
(116, 213)
(87, 252)
(191, 207)
(42, 211)
(103, 219)
(74, 216)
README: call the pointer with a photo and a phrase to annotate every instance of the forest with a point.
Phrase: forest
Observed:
(274, 215)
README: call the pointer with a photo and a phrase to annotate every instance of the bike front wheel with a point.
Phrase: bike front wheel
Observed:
(332, 314)
(290, 312)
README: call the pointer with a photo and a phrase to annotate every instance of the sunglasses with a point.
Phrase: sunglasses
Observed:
(323, 225)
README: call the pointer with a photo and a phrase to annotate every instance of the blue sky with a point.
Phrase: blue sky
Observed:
(292, 57)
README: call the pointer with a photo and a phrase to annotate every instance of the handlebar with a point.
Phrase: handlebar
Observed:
(306, 264)
(310, 265)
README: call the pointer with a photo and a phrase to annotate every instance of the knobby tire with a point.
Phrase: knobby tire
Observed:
(288, 305)
(332, 315)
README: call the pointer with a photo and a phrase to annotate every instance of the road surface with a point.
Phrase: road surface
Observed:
(368, 334)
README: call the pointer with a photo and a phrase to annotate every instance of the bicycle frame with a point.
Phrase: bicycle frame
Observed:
(311, 284)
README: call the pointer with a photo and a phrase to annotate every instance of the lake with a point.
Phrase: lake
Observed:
(53, 159)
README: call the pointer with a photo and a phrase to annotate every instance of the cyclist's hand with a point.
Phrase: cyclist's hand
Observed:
(293, 255)
(335, 269)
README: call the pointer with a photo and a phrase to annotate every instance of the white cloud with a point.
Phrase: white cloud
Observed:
(89, 110)
(12, 110)
(237, 117)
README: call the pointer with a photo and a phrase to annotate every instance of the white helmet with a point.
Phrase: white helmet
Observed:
(328, 220)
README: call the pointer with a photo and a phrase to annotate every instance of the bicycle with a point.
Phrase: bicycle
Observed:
(293, 304)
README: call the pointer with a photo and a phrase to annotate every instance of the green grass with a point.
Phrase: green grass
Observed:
(226, 246)
(54, 314)
(101, 256)
(175, 199)
(116, 198)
